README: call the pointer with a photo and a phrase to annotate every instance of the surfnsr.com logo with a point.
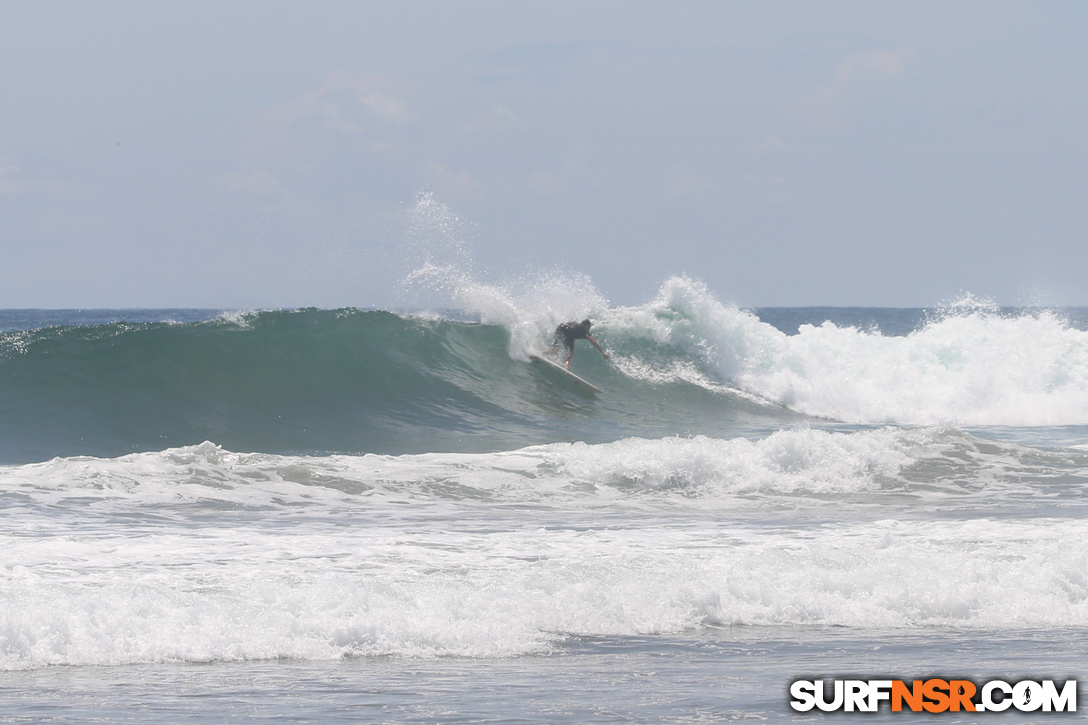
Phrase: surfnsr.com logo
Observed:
(934, 695)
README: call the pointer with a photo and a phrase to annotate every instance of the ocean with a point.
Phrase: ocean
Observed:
(353, 515)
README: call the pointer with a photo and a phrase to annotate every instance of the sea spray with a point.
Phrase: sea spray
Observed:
(528, 304)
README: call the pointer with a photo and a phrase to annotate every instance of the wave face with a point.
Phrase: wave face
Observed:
(373, 381)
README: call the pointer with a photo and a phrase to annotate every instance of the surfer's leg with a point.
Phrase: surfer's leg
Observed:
(557, 339)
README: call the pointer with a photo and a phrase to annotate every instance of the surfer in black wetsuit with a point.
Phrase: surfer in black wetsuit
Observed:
(567, 333)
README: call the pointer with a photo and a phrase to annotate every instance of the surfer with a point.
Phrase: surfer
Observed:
(567, 333)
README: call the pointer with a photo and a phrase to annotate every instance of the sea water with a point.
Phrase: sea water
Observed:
(368, 516)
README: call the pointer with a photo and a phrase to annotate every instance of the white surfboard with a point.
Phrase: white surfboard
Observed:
(571, 376)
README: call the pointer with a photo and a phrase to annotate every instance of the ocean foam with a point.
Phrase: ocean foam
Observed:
(200, 554)
(803, 465)
(969, 365)
(246, 592)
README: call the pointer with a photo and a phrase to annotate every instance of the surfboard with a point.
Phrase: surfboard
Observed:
(566, 373)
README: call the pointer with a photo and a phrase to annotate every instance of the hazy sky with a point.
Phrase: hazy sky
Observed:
(267, 154)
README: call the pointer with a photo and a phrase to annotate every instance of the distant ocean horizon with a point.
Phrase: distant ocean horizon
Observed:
(362, 515)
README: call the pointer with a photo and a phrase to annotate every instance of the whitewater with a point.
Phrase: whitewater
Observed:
(388, 516)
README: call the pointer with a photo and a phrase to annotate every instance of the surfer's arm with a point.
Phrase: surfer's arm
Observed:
(590, 338)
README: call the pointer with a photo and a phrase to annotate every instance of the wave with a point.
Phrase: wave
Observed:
(373, 381)
(318, 381)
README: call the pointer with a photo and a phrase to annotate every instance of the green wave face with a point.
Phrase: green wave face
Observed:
(320, 381)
